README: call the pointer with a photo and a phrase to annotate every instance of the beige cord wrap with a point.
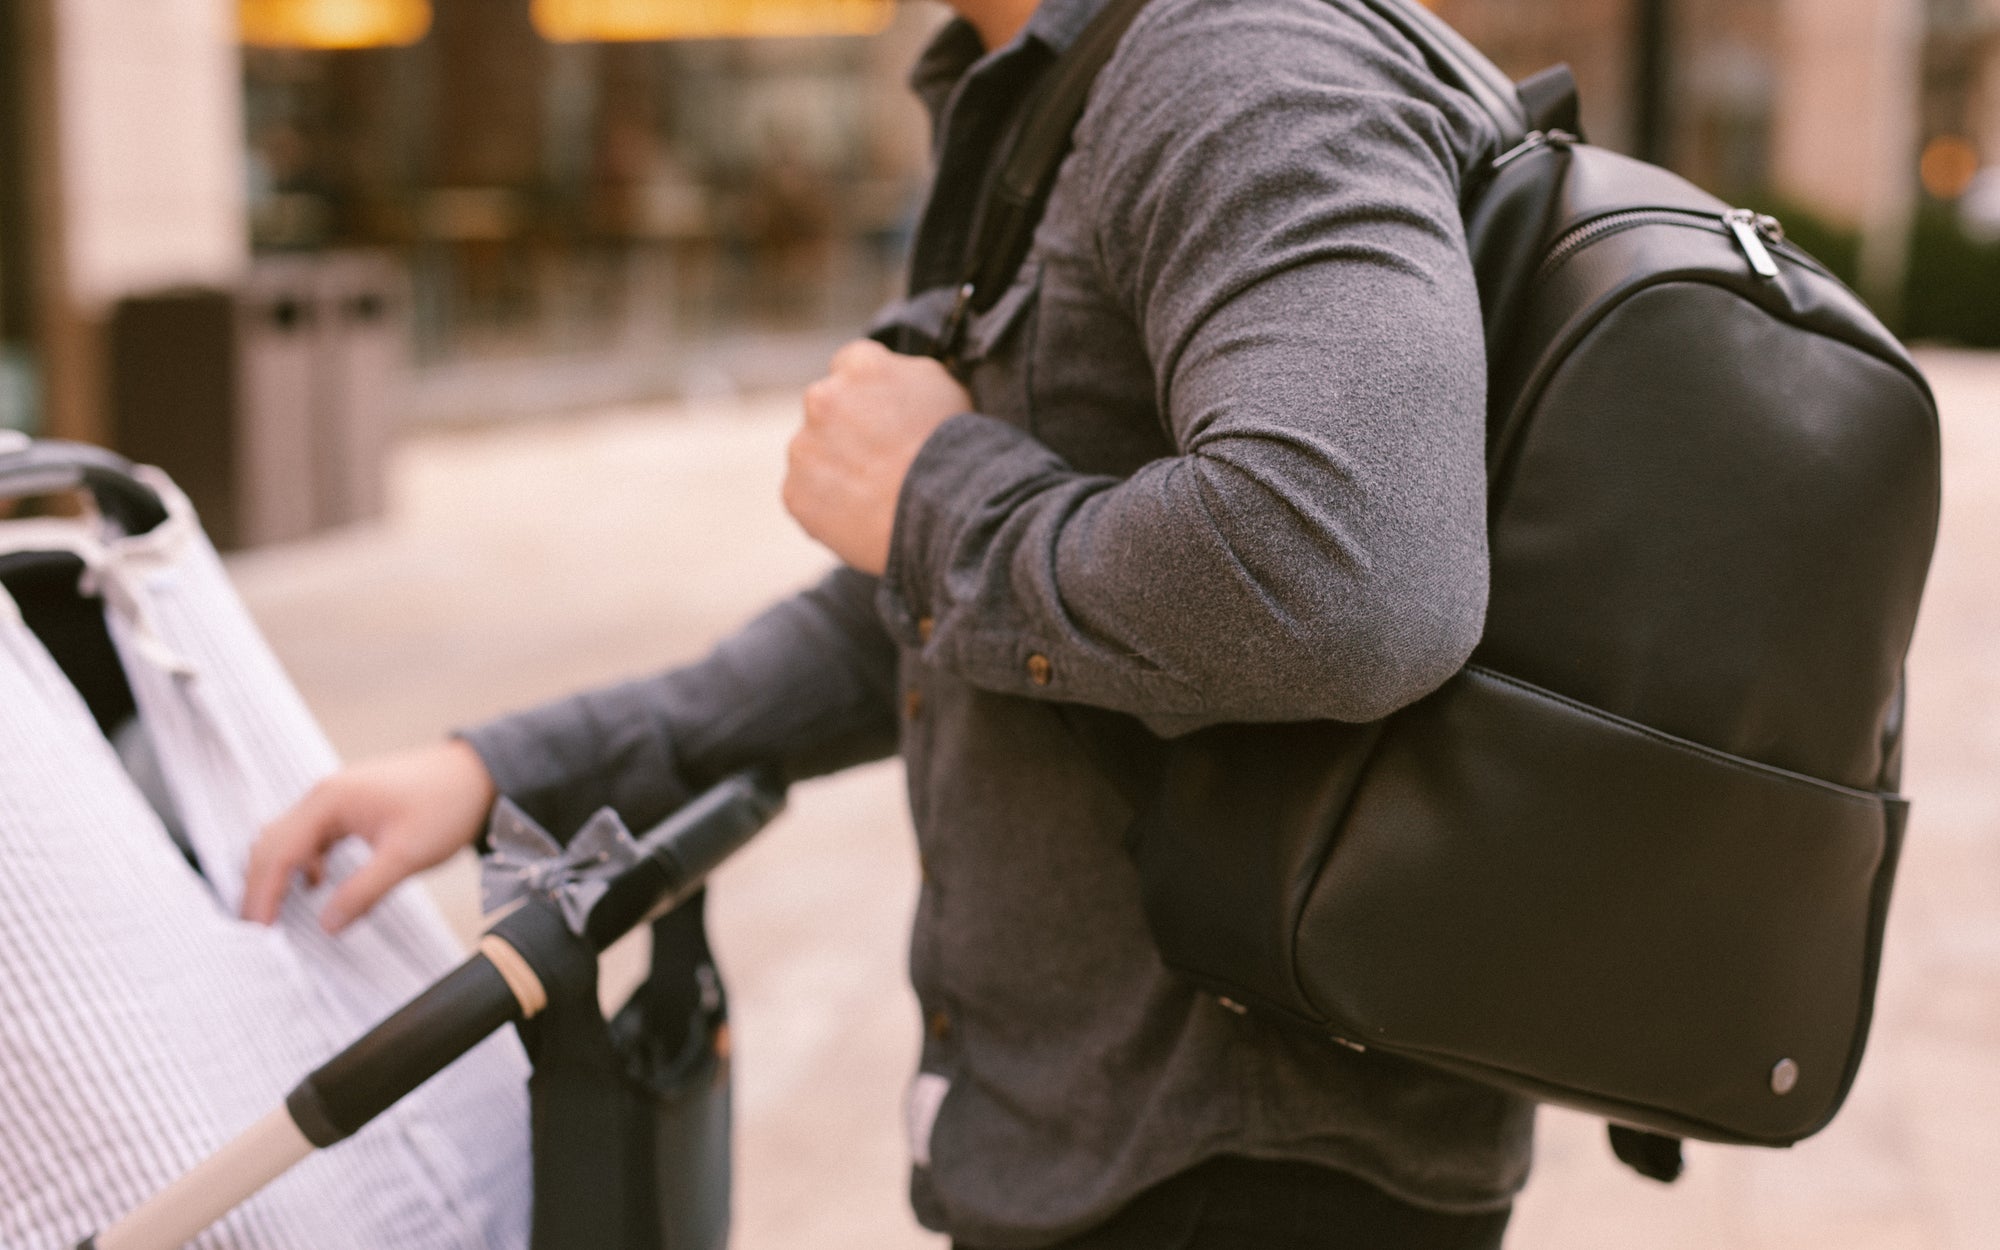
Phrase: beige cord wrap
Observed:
(520, 978)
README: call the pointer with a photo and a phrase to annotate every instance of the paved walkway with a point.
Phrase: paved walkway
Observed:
(524, 561)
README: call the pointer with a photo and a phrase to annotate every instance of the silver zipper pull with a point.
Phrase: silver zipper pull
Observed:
(1532, 140)
(1744, 225)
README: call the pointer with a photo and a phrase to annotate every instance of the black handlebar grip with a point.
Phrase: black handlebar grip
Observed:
(680, 852)
(436, 1027)
(401, 1053)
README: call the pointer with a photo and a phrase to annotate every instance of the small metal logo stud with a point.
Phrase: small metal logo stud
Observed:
(1784, 1077)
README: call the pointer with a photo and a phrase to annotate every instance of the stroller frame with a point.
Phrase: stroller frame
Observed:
(655, 1102)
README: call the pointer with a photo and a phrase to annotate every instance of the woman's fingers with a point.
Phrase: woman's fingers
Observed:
(294, 842)
(415, 808)
(363, 889)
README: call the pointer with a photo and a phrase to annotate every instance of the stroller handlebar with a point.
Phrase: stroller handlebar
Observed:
(528, 956)
(48, 466)
(527, 953)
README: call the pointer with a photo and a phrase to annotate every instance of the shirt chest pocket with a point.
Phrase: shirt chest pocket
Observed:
(996, 362)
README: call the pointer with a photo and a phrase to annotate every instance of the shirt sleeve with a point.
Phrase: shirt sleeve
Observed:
(1276, 208)
(808, 686)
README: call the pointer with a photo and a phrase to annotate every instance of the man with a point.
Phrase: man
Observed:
(1220, 459)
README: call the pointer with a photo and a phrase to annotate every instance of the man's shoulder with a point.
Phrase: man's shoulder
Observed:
(1349, 18)
(1186, 61)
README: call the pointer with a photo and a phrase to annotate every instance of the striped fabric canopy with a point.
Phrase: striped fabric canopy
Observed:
(141, 1024)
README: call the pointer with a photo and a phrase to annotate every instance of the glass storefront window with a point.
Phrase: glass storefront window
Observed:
(627, 211)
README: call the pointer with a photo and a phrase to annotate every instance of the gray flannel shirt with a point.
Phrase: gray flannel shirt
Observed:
(1226, 465)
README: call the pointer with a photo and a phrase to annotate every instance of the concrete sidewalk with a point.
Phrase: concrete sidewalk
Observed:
(525, 561)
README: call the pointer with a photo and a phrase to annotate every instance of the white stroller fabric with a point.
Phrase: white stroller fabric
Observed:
(141, 1024)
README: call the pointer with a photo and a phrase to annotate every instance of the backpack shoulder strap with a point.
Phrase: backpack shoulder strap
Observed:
(1458, 64)
(1003, 226)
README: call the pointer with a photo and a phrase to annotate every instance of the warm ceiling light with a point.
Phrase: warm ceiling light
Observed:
(332, 23)
(617, 21)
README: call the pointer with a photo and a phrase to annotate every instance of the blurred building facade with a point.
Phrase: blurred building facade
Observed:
(580, 222)
(573, 222)
(566, 209)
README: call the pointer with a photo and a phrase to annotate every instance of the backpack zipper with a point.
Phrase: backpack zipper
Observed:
(1756, 235)
(1529, 142)
(1748, 227)
(1752, 230)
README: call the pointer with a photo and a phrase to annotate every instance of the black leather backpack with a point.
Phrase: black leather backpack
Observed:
(1635, 857)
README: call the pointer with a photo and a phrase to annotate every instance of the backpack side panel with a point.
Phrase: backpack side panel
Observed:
(1229, 843)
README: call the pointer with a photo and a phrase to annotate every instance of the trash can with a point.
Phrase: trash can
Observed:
(363, 349)
(273, 404)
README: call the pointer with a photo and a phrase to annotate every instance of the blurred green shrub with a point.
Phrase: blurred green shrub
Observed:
(1953, 292)
(1952, 287)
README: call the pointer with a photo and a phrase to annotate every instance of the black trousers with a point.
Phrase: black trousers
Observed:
(1242, 1204)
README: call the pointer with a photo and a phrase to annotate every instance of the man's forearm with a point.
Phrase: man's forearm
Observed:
(808, 686)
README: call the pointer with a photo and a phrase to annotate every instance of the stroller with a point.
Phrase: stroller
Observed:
(165, 735)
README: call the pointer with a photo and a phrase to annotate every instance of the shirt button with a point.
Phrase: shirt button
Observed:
(1039, 669)
(913, 703)
(940, 1025)
(926, 625)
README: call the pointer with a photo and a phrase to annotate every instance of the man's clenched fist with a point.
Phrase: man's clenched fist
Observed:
(864, 422)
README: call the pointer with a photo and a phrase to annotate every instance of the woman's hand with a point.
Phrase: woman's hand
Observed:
(415, 809)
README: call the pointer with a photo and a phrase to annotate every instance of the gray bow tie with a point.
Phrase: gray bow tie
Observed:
(526, 862)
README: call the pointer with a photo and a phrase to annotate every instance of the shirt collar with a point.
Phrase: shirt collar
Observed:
(957, 47)
(1057, 23)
